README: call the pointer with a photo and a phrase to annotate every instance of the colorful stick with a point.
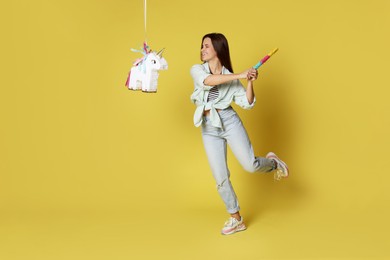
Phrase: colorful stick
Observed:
(263, 60)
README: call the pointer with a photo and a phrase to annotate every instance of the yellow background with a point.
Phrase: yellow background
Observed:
(91, 170)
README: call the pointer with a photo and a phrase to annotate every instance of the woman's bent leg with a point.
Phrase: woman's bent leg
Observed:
(241, 146)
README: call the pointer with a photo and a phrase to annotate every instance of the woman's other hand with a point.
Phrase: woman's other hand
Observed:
(252, 74)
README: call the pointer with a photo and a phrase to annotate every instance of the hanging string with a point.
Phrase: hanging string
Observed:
(145, 20)
(145, 49)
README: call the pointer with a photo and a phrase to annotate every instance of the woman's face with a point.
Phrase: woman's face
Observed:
(207, 52)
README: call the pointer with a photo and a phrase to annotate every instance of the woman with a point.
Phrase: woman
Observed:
(216, 87)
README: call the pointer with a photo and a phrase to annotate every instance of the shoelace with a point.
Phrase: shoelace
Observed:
(230, 222)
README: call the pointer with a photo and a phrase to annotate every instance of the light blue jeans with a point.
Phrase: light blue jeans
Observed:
(234, 134)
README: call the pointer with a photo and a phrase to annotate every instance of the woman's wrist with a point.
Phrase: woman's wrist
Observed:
(243, 75)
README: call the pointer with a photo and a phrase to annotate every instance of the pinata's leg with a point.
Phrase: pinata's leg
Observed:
(128, 80)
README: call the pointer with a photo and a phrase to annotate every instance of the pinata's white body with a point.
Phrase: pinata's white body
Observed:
(143, 76)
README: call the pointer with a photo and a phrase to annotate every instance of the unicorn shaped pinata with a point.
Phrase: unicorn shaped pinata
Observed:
(144, 73)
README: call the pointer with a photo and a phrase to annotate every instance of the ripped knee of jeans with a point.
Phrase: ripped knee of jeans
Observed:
(222, 183)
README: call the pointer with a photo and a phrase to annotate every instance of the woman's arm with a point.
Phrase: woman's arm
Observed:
(213, 80)
(250, 93)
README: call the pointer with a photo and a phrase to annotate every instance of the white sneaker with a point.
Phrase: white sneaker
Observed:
(232, 226)
(281, 167)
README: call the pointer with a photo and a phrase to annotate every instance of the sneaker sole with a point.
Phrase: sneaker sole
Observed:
(271, 155)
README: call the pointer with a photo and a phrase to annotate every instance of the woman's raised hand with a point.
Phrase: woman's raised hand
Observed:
(252, 74)
(249, 74)
(244, 74)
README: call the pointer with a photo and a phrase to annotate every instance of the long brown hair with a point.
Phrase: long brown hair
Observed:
(221, 47)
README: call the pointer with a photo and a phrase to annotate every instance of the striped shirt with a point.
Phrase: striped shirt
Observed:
(213, 94)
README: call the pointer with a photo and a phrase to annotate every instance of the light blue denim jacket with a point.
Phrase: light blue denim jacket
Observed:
(228, 92)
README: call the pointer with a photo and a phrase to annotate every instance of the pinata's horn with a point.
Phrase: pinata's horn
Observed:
(160, 52)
